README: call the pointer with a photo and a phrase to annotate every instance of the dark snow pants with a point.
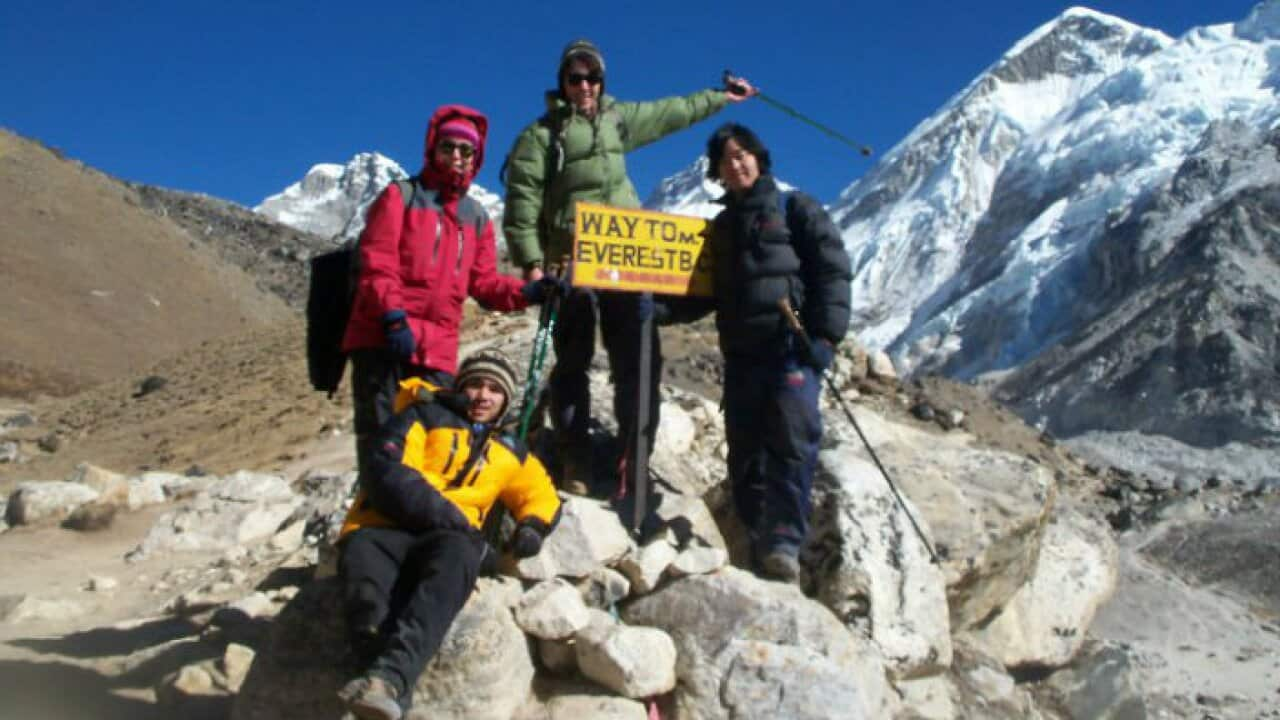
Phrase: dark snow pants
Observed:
(773, 428)
(575, 341)
(410, 587)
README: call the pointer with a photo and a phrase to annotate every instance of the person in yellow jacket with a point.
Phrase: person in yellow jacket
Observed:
(411, 546)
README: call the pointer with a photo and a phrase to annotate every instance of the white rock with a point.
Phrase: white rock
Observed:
(689, 440)
(870, 555)
(34, 502)
(112, 487)
(147, 489)
(928, 697)
(698, 561)
(880, 366)
(552, 610)
(689, 518)
(758, 679)
(261, 522)
(8, 452)
(240, 509)
(250, 487)
(645, 566)
(101, 583)
(34, 609)
(985, 509)
(716, 620)
(236, 661)
(595, 707)
(604, 587)
(1044, 625)
(288, 539)
(558, 656)
(256, 605)
(191, 680)
(589, 535)
(635, 662)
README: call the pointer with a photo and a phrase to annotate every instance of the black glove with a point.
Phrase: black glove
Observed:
(543, 289)
(400, 339)
(821, 354)
(526, 542)
(444, 515)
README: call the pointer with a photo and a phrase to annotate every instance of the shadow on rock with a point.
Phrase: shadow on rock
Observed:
(105, 642)
(60, 691)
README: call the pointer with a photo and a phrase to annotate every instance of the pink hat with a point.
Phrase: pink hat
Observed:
(461, 128)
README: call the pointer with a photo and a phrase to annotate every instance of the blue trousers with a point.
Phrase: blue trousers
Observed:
(773, 429)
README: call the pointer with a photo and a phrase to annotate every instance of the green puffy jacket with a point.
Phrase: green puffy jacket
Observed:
(594, 169)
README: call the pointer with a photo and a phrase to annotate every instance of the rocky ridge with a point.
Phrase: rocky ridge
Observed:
(1038, 551)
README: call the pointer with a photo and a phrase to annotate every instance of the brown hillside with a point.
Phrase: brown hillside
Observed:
(94, 286)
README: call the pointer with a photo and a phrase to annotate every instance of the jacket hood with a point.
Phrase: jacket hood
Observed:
(445, 112)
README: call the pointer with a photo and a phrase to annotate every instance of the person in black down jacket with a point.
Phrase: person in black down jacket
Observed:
(767, 245)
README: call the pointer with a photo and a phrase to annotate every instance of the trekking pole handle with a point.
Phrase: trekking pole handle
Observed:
(728, 79)
(784, 304)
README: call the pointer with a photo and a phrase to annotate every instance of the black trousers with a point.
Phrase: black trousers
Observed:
(575, 341)
(410, 587)
(375, 379)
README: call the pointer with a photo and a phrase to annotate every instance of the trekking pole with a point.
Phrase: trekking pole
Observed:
(794, 322)
(492, 527)
(864, 150)
(546, 326)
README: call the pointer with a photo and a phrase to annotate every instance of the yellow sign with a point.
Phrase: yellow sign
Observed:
(640, 251)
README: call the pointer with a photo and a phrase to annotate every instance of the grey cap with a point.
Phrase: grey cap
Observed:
(579, 48)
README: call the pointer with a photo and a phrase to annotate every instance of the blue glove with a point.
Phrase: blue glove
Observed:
(526, 542)
(543, 289)
(821, 354)
(400, 339)
(645, 308)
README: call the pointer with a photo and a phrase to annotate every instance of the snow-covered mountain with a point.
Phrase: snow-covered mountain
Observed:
(970, 238)
(331, 199)
(1090, 227)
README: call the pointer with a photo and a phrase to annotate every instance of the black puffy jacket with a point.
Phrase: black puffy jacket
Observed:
(762, 254)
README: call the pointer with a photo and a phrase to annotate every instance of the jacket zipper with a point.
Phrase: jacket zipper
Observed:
(457, 227)
(453, 451)
(435, 250)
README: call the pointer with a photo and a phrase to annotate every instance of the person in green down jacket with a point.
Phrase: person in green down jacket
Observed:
(575, 152)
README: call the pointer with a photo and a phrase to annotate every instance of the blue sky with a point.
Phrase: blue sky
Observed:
(238, 99)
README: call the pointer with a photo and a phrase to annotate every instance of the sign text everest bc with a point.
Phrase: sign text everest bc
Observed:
(640, 251)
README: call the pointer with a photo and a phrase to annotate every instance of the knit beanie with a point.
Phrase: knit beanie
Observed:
(581, 47)
(492, 364)
(460, 128)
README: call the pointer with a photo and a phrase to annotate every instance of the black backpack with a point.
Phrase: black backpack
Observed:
(329, 300)
(328, 307)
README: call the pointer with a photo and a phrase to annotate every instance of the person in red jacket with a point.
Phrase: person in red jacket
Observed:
(420, 257)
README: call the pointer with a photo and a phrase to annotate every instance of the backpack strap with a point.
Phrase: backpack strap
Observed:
(784, 200)
(408, 186)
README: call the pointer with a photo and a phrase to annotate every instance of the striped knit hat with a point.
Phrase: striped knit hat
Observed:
(492, 364)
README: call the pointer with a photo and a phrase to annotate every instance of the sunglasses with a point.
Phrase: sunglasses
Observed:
(578, 78)
(447, 147)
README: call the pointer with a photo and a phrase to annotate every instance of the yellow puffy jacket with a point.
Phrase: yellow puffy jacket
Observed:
(429, 454)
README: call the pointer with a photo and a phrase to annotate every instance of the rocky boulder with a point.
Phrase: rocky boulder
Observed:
(741, 641)
(1045, 623)
(482, 670)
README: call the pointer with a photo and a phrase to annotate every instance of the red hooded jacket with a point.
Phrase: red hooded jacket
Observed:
(426, 256)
